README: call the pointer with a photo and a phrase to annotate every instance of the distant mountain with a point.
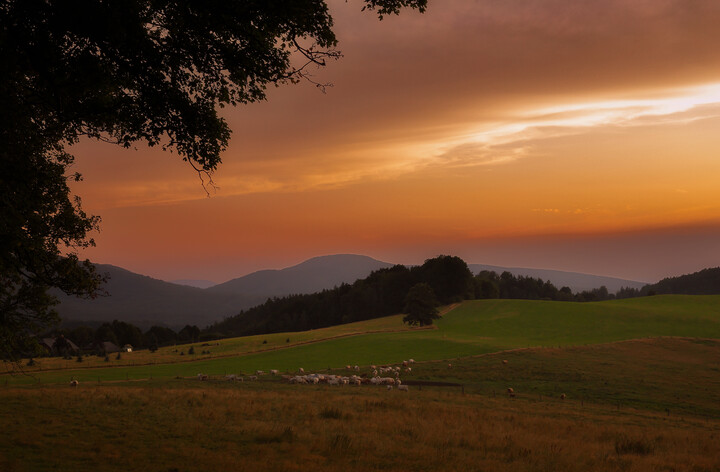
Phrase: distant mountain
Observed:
(704, 282)
(145, 301)
(576, 281)
(311, 276)
(194, 283)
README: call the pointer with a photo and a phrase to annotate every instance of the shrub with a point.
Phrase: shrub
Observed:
(191, 351)
(79, 358)
(118, 357)
(107, 358)
(31, 362)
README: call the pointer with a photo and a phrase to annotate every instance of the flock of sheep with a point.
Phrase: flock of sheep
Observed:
(374, 377)
(386, 375)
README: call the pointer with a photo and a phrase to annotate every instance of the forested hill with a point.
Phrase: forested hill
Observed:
(382, 293)
(704, 282)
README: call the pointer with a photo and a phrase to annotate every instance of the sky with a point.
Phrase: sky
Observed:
(576, 135)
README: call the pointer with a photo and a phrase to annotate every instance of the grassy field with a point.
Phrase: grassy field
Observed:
(473, 328)
(641, 379)
(183, 425)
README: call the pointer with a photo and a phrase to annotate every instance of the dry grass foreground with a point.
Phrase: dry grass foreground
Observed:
(186, 425)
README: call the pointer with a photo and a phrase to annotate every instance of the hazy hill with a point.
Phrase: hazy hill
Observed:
(311, 276)
(576, 281)
(145, 301)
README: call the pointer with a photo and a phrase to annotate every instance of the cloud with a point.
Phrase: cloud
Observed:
(504, 143)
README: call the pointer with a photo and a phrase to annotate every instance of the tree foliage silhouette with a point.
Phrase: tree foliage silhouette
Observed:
(123, 72)
(421, 305)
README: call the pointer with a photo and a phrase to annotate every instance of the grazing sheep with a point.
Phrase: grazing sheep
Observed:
(259, 372)
(398, 381)
(408, 369)
(274, 372)
(373, 367)
(252, 377)
(344, 381)
(374, 373)
(405, 363)
(412, 361)
(348, 367)
(511, 392)
(231, 377)
(402, 388)
(504, 361)
(301, 370)
(449, 366)
(356, 368)
(202, 376)
(389, 387)
(562, 397)
(74, 383)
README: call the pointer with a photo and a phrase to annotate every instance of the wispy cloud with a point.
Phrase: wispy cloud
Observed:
(504, 142)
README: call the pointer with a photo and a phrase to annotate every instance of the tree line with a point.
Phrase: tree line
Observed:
(120, 334)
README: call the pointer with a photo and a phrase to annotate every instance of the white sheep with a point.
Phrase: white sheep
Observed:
(402, 388)
(405, 363)
(231, 377)
(412, 361)
(74, 383)
(389, 387)
(259, 372)
(301, 370)
(274, 372)
(252, 377)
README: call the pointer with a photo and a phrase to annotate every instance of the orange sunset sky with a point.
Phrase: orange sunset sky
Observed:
(561, 134)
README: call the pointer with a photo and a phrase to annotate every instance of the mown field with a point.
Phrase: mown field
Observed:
(641, 379)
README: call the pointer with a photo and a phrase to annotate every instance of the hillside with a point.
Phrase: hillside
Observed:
(472, 328)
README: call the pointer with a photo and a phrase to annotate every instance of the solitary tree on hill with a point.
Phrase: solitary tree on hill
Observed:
(421, 305)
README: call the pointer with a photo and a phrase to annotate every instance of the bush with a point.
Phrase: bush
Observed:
(79, 358)
(118, 357)
(191, 350)
(107, 358)
(264, 341)
(31, 362)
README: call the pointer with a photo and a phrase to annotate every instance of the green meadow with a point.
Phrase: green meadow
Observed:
(470, 329)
